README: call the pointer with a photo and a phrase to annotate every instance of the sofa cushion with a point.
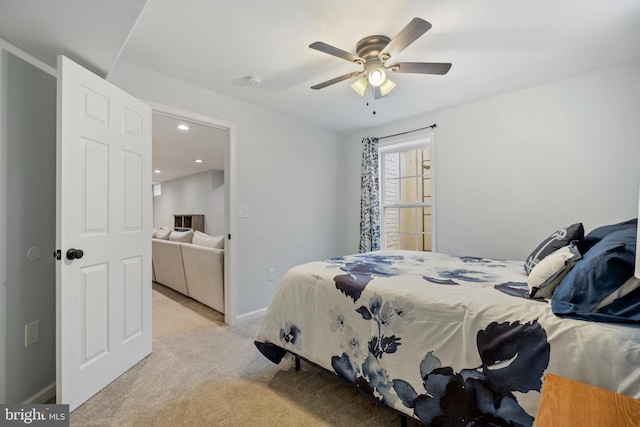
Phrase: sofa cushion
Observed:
(162, 234)
(204, 272)
(181, 236)
(167, 264)
(202, 239)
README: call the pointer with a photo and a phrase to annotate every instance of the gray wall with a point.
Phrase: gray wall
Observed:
(202, 193)
(511, 169)
(30, 143)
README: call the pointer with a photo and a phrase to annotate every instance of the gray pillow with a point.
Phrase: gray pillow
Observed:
(162, 234)
(202, 239)
(561, 237)
(181, 236)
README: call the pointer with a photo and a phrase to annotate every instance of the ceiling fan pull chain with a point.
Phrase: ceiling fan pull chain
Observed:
(372, 96)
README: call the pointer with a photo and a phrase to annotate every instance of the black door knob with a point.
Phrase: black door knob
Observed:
(75, 253)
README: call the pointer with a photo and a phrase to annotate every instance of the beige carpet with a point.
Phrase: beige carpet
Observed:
(203, 373)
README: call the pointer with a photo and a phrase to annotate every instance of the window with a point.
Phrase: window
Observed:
(406, 197)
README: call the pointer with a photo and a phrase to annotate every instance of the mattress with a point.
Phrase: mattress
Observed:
(440, 337)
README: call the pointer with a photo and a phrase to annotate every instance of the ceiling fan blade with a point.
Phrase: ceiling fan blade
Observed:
(405, 37)
(323, 47)
(336, 80)
(421, 67)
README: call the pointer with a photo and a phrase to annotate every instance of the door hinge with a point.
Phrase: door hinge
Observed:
(229, 236)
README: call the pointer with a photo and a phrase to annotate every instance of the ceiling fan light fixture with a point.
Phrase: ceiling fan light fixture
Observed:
(377, 76)
(386, 87)
(360, 85)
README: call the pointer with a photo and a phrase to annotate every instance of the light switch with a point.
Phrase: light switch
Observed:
(242, 211)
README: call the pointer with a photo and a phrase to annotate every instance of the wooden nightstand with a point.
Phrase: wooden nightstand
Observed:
(569, 403)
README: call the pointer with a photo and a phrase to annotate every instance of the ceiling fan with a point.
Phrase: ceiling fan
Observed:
(373, 51)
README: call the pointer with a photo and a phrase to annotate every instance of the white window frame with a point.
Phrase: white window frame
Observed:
(400, 143)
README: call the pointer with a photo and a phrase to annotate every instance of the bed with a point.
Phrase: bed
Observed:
(441, 338)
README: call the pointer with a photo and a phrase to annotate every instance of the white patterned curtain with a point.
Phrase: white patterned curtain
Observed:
(369, 203)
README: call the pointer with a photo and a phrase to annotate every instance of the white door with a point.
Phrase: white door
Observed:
(103, 207)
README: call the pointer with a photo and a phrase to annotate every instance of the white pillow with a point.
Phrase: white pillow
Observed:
(162, 234)
(549, 272)
(181, 236)
(202, 239)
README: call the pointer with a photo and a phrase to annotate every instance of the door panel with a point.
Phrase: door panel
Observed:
(95, 312)
(132, 192)
(103, 299)
(95, 192)
(132, 302)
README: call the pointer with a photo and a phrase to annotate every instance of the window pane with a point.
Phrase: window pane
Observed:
(415, 242)
(390, 184)
(408, 242)
(426, 219)
(426, 163)
(392, 165)
(427, 243)
(408, 163)
(409, 190)
(410, 222)
(391, 191)
(392, 242)
(426, 190)
(426, 154)
(392, 228)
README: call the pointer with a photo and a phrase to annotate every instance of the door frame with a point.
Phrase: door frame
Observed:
(229, 197)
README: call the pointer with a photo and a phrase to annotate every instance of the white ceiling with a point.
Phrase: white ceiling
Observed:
(175, 151)
(92, 33)
(495, 46)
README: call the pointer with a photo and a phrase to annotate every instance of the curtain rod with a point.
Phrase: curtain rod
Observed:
(433, 126)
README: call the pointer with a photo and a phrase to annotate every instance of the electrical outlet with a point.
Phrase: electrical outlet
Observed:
(272, 273)
(31, 333)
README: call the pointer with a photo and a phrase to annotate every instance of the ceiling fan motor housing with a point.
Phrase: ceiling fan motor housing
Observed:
(370, 47)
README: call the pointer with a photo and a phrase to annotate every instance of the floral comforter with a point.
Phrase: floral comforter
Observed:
(441, 338)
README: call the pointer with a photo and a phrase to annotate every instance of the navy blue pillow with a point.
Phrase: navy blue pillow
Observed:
(602, 270)
(560, 238)
(599, 233)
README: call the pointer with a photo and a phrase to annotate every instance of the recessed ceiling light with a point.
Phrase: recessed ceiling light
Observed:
(183, 127)
(157, 171)
(198, 160)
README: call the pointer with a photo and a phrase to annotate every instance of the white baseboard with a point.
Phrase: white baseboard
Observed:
(43, 395)
(250, 316)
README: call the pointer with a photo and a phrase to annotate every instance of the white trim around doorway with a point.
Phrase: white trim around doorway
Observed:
(230, 199)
